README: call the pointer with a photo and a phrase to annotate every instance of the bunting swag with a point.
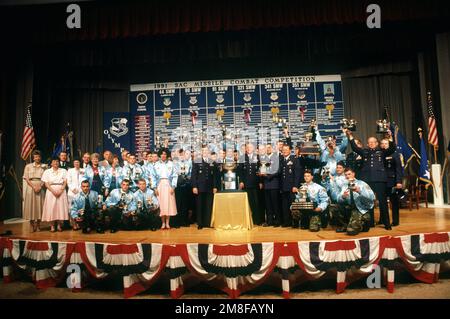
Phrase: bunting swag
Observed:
(233, 269)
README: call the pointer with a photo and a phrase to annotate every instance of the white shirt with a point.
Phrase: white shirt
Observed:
(74, 179)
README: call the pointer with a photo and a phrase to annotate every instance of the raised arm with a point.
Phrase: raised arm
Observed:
(320, 140)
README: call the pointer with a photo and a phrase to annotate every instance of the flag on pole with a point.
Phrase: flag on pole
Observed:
(424, 170)
(28, 140)
(403, 148)
(432, 129)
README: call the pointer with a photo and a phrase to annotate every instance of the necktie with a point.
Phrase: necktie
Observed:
(87, 204)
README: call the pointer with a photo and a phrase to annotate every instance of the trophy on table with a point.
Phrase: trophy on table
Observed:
(229, 177)
(349, 124)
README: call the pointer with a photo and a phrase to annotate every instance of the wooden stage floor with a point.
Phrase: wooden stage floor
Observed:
(425, 220)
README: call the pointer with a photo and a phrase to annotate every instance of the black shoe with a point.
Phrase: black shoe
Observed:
(388, 227)
(341, 230)
(153, 229)
(395, 224)
(304, 227)
(113, 230)
(276, 225)
(294, 226)
(265, 225)
(199, 227)
(100, 231)
(85, 231)
(379, 222)
(352, 233)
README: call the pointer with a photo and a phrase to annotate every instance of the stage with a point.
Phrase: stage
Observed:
(232, 261)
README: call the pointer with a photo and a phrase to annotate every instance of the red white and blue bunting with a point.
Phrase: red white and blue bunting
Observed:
(234, 269)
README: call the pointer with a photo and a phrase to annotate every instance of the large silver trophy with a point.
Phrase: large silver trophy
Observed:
(301, 202)
(310, 146)
(382, 126)
(229, 177)
(349, 124)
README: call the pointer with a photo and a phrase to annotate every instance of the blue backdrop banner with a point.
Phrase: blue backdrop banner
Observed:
(160, 109)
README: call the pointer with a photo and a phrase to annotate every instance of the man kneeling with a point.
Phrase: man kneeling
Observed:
(311, 201)
(147, 213)
(85, 209)
(119, 204)
(358, 199)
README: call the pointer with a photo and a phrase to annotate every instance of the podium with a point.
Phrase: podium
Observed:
(231, 211)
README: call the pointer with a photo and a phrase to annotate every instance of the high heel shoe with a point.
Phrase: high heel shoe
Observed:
(52, 228)
(59, 228)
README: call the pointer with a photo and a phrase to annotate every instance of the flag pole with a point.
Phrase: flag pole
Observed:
(435, 147)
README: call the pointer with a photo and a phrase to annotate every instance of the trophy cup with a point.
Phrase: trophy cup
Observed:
(302, 202)
(349, 124)
(382, 126)
(230, 177)
(265, 166)
(310, 146)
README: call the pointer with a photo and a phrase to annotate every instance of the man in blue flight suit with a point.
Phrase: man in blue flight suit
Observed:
(394, 171)
(291, 175)
(373, 172)
(119, 203)
(271, 182)
(205, 181)
(358, 199)
(84, 209)
(249, 181)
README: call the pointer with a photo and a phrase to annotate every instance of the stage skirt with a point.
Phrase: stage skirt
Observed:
(167, 203)
(55, 208)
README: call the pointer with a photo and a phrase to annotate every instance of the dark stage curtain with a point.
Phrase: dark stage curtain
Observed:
(123, 19)
(81, 107)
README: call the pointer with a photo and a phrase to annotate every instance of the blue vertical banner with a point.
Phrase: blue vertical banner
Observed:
(116, 132)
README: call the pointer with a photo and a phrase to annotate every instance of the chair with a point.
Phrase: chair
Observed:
(417, 192)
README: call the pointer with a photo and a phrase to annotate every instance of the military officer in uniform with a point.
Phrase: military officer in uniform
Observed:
(317, 195)
(183, 191)
(373, 172)
(250, 181)
(63, 162)
(205, 181)
(291, 175)
(394, 171)
(358, 199)
(271, 182)
(354, 160)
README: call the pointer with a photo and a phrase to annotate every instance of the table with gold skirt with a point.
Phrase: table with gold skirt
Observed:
(231, 211)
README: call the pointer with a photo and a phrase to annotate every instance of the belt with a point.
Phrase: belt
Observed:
(35, 179)
(57, 184)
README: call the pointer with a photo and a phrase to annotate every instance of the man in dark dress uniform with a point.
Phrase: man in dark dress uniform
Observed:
(205, 181)
(373, 172)
(394, 171)
(354, 160)
(271, 183)
(63, 163)
(249, 181)
(291, 175)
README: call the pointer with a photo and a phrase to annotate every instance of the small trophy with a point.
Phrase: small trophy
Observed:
(349, 124)
(167, 115)
(219, 114)
(275, 110)
(329, 108)
(382, 126)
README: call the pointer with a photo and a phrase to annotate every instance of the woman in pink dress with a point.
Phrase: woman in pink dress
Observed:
(165, 177)
(56, 206)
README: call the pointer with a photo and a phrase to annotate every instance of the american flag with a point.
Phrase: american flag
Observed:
(432, 129)
(28, 141)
